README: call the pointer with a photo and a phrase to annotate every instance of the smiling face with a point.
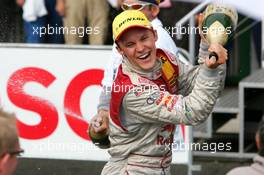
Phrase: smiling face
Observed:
(138, 46)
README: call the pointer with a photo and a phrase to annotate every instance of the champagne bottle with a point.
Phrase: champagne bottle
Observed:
(218, 24)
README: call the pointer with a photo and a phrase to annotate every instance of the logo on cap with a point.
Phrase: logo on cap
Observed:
(128, 19)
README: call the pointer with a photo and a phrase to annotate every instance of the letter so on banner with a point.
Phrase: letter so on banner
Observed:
(54, 93)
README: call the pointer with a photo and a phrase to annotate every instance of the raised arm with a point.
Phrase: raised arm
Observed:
(188, 73)
(157, 106)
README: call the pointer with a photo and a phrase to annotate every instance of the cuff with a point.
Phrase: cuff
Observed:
(208, 72)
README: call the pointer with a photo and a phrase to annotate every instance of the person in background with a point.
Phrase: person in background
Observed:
(11, 22)
(257, 168)
(88, 17)
(42, 23)
(9, 143)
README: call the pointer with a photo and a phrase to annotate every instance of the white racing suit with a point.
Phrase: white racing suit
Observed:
(144, 110)
(164, 42)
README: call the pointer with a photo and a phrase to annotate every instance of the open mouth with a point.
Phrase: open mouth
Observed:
(144, 56)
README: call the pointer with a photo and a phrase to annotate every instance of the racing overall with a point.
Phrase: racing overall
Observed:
(146, 105)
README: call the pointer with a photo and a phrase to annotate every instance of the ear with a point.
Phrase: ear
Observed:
(155, 11)
(257, 140)
(3, 162)
(119, 49)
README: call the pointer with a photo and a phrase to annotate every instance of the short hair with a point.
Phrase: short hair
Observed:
(8, 132)
(261, 138)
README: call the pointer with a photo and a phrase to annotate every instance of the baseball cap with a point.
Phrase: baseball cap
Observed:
(129, 19)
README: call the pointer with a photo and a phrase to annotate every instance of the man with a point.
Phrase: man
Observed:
(257, 168)
(151, 9)
(145, 108)
(9, 144)
(77, 14)
(39, 15)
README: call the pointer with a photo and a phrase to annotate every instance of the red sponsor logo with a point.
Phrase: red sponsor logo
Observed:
(173, 103)
(167, 100)
(161, 140)
(160, 98)
(165, 136)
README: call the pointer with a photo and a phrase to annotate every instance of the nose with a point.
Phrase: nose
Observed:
(139, 47)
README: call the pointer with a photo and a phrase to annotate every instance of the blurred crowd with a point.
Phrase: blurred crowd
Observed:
(59, 21)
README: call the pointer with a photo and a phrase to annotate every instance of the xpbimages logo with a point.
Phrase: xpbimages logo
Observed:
(51, 30)
(183, 30)
(212, 147)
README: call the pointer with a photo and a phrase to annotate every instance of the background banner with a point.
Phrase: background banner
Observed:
(54, 92)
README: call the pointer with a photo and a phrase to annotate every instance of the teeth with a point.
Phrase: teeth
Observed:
(143, 56)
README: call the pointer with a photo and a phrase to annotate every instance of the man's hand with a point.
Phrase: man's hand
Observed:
(100, 121)
(98, 130)
(222, 56)
(60, 7)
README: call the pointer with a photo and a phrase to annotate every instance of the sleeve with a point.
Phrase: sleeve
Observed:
(157, 106)
(104, 99)
(110, 73)
(204, 53)
(188, 73)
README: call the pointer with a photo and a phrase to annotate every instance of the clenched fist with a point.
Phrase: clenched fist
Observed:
(221, 53)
